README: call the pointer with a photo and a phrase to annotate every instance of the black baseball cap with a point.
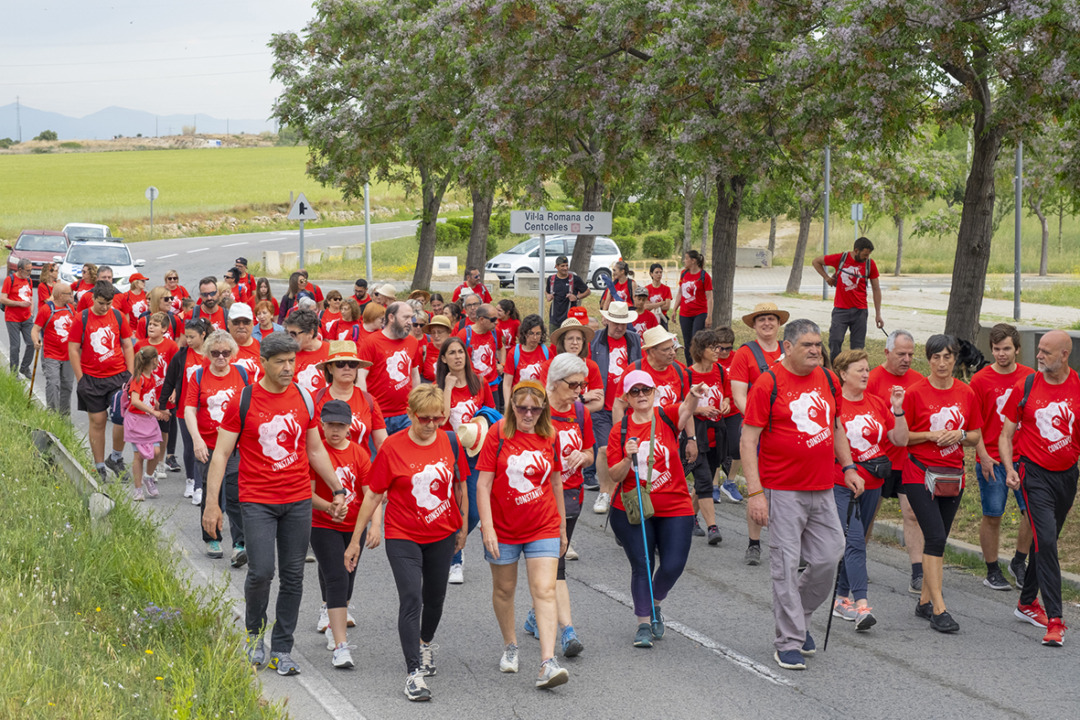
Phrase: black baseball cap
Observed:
(242, 261)
(337, 411)
(561, 260)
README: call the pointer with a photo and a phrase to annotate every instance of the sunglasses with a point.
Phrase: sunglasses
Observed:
(639, 390)
(528, 410)
(434, 420)
(208, 294)
(722, 348)
(168, 297)
(220, 353)
(576, 386)
(351, 364)
(172, 277)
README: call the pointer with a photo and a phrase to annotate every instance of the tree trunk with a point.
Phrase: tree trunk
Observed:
(976, 230)
(1044, 258)
(729, 199)
(705, 216)
(688, 214)
(899, 221)
(806, 214)
(772, 236)
(579, 263)
(483, 199)
(432, 189)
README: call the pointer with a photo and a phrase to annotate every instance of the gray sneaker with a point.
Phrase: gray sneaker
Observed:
(427, 658)
(116, 465)
(552, 675)
(283, 663)
(256, 650)
(239, 556)
(753, 555)
(995, 580)
(916, 585)
(509, 661)
(415, 687)
(714, 535)
(342, 657)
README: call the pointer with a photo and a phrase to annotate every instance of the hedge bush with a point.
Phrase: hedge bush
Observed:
(622, 227)
(446, 235)
(657, 245)
(464, 226)
(628, 246)
(499, 226)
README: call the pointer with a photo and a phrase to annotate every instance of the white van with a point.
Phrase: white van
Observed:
(525, 258)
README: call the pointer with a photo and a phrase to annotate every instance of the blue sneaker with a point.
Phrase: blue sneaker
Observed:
(643, 636)
(657, 626)
(730, 491)
(530, 624)
(571, 646)
(716, 495)
(808, 647)
(790, 659)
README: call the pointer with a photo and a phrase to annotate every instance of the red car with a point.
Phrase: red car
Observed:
(37, 246)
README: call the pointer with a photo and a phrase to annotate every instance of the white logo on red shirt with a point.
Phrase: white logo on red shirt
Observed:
(664, 396)
(398, 367)
(191, 371)
(689, 291)
(863, 432)
(358, 428)
(62, 326)
(138, 308)
(252, 368)
(570, 440)
(348, 481)
(215, 404)
(810, 413)
(279, 436)
(25, 292)
(947, 418)
(714, 397)
(483, 359)
(851, 278)
(1001, 405)
(308, 377)
(531, 372)
(617, 362)
(426, 482)
(101, 341)
(1055, 421)
(661, 459)
(527, 471)
(463, 412)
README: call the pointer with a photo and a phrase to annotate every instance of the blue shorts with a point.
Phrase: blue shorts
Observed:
(601, 427)
(995, 494)
(509, 554)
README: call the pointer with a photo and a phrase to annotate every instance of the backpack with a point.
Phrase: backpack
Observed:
(86, 318)
(1029, 382)
(843, 260)
(701, 278)
(199, 377)
(759, 355)
(52, 311)
(552, 278)
(772, 395)
(624, 425)
(172, 321)
(245, 403)
(517, 353)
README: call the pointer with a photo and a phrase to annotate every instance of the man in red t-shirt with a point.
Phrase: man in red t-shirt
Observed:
(1045, 406)
(207, 306)
(853, 271)
(993, 386)
(788, 447)
(394, 355)
(241, 323)
(360, 293)
(485, 351)
(277, 434)
(472, 283)
(51, 328)
(17, 298)
(101, 356)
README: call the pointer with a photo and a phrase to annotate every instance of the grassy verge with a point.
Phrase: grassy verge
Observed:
(98, 625)
(1063, 294)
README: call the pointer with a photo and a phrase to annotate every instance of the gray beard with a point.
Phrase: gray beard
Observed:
(397, 333)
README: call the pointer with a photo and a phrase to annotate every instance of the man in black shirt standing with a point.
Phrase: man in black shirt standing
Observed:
(564, 291)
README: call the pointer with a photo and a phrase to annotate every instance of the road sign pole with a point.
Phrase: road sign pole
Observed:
(151, 219)
(301, 244)
(828, 171)
(543, 266)
(367, 230)
(1018, 205)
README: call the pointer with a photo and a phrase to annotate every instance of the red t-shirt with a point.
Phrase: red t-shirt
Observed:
(389, 378)
(353, 470)
(247, 357)
(865, 422)
(216, 318)
(480, 290)
(141, 332)
(273, 446)
(86, 301)
(670, 497)
(692, 291)
(213, 397)
(571, 439)
(851, 284)
(523, 505)
(429, 358)
(645, 321)
(744, 366)
(717, 387)
(508, 332)
(796, 450)
(55, 329)
(102, 354)
(308, 376)
(658, 294)
(341, 329)
(366, 417)
(18, 290)
(726, 364)
(178, 297)
(672, 384)
(329, 318)
(483, 351)
(143, 389)
(463, 405)
(992, 390)
(134, 304)
(1046, 435)
(419, 484)
(44, 293)
(622, 293)
(880, 385)
(166, 348)
(524, 364)
(927, 409)
(618, 360)
(363, 335)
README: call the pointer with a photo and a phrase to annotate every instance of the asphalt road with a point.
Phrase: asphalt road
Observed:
(716, 661)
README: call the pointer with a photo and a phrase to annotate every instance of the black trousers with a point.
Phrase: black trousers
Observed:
(1049, 496)
(420, 572)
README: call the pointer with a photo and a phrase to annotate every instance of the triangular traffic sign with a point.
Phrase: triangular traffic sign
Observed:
(302, 210)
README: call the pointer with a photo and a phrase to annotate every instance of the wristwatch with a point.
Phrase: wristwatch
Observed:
(852, 466)
(691, 437)
(341, 491)
(898, 414)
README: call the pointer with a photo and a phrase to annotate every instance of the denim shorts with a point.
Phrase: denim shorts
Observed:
(995, 494)
(509, 553)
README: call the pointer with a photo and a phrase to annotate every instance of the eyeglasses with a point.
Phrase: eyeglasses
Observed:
(433, 420)
(168, 298)
(220, 353)
(528, 409)
(351, 364)
(723, 348)
(240, 321)
(208, 294)
(639, 390)
(418, 324)
(485, 317)
(575, 386)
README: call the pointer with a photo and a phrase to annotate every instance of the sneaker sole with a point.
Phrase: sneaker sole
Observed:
(787, 666)
(643, 644)
(715, 541)
(507, 668)
(418, 698)
(867, 622)
(239, 562)
(1027, 618)
(728, 497)
(1054, 643)
(992, 586)
(555, 680)
(752, 562)
(914, 590)
(347, 665)
(842, 616)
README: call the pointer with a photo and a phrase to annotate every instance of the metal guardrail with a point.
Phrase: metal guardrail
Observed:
(98, 502)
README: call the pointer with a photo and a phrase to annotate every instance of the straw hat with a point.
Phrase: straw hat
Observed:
(440, 320)
(471, 434)
(654, 336)
(568, 325)
(421, 295)
(342, 350)
(619, 312)
(387, 290)
(765, 308)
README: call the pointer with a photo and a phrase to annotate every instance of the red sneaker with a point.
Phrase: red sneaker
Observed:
(1055, 633)
(1032, 613)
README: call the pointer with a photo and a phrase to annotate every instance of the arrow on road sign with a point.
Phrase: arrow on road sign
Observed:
(302, 210)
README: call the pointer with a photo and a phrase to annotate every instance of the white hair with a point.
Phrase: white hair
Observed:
(890, 343)
(563, 366)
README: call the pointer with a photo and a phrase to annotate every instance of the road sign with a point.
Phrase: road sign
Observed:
(152, 193)
(302, 210)
(560, 222)
(856, 212)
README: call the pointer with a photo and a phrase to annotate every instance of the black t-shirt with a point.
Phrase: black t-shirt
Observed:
(559, 289)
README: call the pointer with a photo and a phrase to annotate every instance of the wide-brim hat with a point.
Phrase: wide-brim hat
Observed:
(619, 312)
(765, 308)
(440, 320)
(572, 324)
(654, 336)
(421, 295)
(471, 434)
(342, 350)
(387, 290)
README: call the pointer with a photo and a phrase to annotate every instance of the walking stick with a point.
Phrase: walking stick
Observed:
(645, 543)
(33, 375)
(836, 586)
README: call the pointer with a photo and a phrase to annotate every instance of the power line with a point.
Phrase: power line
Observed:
(136, 60)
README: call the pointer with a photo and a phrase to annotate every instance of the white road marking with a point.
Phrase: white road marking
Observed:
(234, 244)
(189, 252)
(272, 239)
(737, 659)
(162, 257)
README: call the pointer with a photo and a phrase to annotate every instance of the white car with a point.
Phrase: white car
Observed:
(113, 253)
(525, 258)
(87, 231)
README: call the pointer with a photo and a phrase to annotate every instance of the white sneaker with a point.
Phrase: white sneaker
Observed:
(160, 474)
(196, 498)
(571, 553)
(189, 487)
(457, 574)
(151, 486)
(342, 657)
(603, 501)
(324, 620)
(509, 661)
(330, 644)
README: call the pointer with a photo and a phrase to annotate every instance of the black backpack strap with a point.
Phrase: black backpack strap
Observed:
(1029, 382)
(772, 395)
(245, 404)
(452, 437)
(759, 355)
(667, 421)
(85, 319)
(682, 378)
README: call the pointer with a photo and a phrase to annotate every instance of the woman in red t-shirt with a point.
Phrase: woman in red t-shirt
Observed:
(709, 427)
(509, 322)
(655, 431)
(942, 419)
(48, 276)
(176, 291)
(520, 496)
(695, 299)
(415, 471)
(339, 369)
(525, 359)
(574, 338)
(867, 421)
(624, 286)
(659, 294)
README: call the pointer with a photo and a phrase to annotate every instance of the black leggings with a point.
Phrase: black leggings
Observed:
(170, 425)
(420, 572)
(189, 453)
(335, 582)
(935, 515)
(690, 325)
(570, 523)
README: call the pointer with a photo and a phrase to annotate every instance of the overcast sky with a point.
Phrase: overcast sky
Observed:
(197, 56)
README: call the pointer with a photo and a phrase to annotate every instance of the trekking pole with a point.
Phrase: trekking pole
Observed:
(644, 540)
(33, 375)
(836, 585)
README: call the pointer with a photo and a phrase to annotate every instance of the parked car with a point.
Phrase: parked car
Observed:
(87, 231)
(102, 252)
(525, 258)
(37, 246)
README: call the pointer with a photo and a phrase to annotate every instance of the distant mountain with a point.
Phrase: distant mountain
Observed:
(113, 121)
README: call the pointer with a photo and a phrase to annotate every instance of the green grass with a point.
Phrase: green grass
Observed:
(1066, 295)
(95, 624)
(49, 191)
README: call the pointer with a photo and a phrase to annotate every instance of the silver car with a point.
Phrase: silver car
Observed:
(525, 258)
